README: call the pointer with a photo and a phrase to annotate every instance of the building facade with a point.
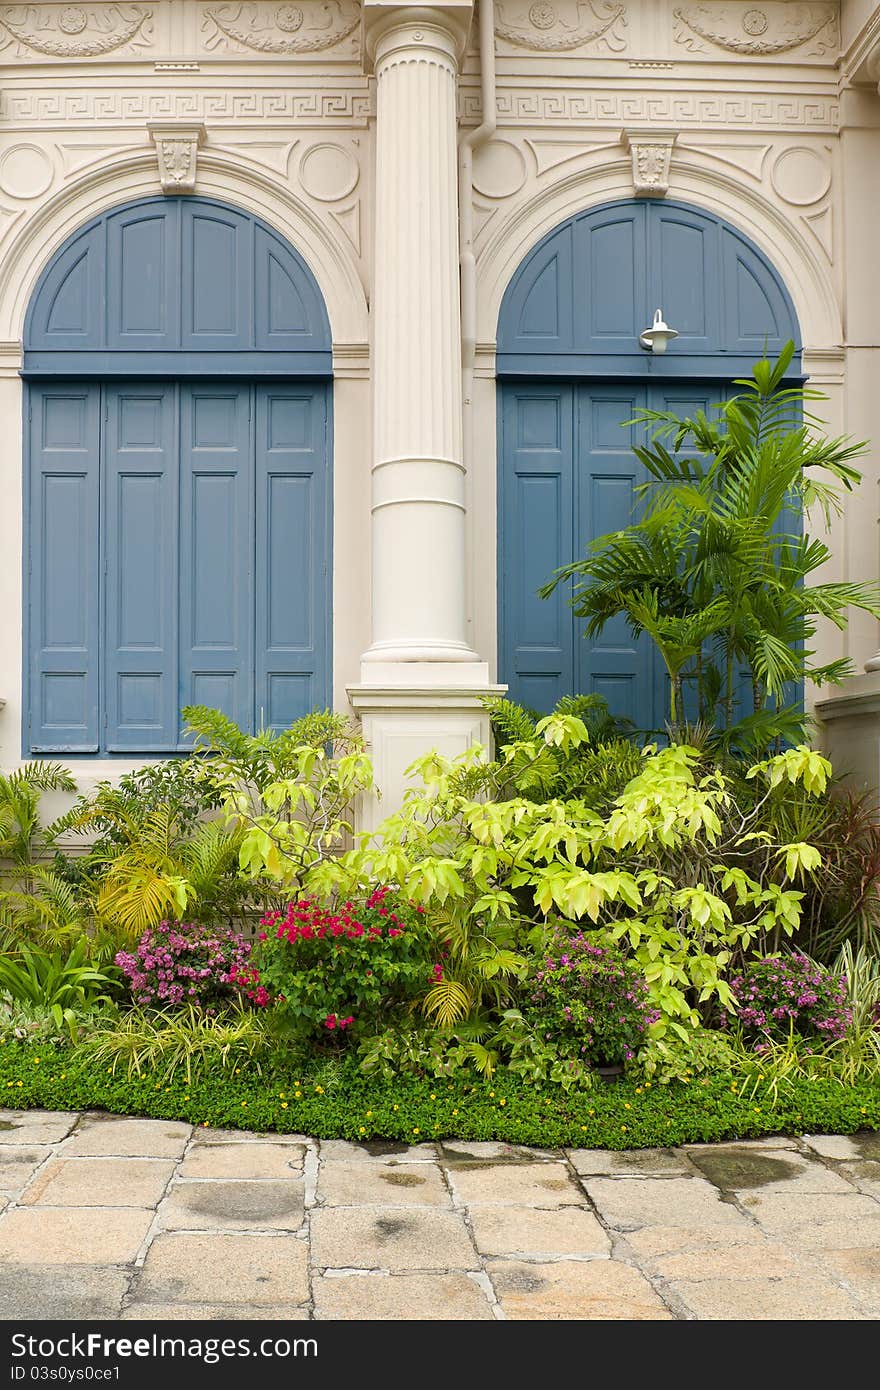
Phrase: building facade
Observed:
(319, 333)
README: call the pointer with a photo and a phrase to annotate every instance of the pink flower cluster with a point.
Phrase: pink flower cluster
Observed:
(188, 962)
(334, 1021)
(779, 994)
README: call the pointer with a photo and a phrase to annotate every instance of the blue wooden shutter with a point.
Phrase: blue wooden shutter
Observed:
(216, 549)
(139, 534)
(292, 553)
(536, 538)
(62, 711)
(607, 472)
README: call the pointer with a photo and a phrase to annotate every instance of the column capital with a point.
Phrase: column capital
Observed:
(390, 26)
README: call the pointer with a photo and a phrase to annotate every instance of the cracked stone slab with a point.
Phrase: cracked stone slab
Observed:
(257, 1160)
(234, 1206)
(357, 1184)
(628, 1203)
(392, 1297)
(529, 1233)
(516, 1184)
(212, 1312)
(864, 1145)
(864, 1175)
(35, 1126)
(19, 1163)
(860, 1269)
(803, 1298)
(124, 1138)
(597, 1290)
(99, 1182)
(337, 1149)
(390, 1238)
(651, 1241)
(204, 1134)
(69, 1293)
(753, 1261)
(74, 1235)
(224, 1270)
(747, 1168)
(631, 1163)
(817, 1222)
(454, 1152)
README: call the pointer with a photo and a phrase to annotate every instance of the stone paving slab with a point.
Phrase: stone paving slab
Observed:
(628, 1203)
(745, 1168)
(213, 1312)
(392, 1297)
(99, 1182)
(528, 1233)
(845, 1146)
(346, 1183)
(35, 1126)
(234, 1206)
(495, 1184)
(264, 1159)
(390, 1238)
(754, 1261)
(74, 1235)
(203, 1134)
(240, 1269)
(646, 1163)
(18, 1163)
(804, 1299)
(98, 1136)
(70, 1293)
(599, 1290)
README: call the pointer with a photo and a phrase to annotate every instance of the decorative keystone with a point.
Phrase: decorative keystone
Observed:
(177, 144)
(651, 152)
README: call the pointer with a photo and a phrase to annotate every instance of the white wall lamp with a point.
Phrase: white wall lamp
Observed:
(655, 338)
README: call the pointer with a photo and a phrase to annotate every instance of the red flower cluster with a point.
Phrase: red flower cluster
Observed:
(333, 1021)
(306, 920)
(247, 977)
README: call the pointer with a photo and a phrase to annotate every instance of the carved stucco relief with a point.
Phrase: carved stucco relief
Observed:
(616, 107)
(73, 31)
(546, 27)
(311, 26)
(758, 30)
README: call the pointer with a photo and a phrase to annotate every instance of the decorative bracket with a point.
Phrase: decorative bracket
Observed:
(651, 152)
(177, 143)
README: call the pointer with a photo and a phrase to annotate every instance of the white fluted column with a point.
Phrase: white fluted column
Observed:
(418, 494)
(421, 683)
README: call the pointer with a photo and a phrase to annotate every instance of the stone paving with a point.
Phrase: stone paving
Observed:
(116, 1218)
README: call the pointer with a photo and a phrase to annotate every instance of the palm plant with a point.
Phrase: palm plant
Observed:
(712, 572)
(34, 900)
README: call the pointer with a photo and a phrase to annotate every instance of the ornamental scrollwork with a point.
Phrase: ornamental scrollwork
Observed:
(757, 30)
(73, 31)
(307, 27)
(544, 27)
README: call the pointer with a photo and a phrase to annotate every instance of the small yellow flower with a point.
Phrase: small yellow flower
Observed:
(20, 1083)
(280, 1095)
(362, 1130)
(591, 1112)
(626, 1105)
(638, 1090)
(397, 1107)
(36, 1061)
(369, 1113)
(297, 1095)
(319, 1090)
(863, 1110)
(502, 1102)
(491, 1093)
(244, 1102)
(63, 1075)
(284, 1105)
(237, 1070)
(455, 1112)
(647, 1085)
(623, 1129)
(434, 1097)
(417, 1131)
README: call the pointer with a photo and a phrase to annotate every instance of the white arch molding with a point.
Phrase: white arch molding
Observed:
(807, 275)
(38, 238)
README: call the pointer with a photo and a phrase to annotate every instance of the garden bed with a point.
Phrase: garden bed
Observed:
(335, 1100)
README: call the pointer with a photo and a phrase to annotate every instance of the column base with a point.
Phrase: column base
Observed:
(850, 732)
(403, 721)
(408, 653)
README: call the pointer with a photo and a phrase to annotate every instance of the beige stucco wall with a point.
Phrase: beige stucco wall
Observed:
(775, 111)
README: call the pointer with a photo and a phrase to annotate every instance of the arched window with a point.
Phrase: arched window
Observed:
(177, 487)
(571, 375)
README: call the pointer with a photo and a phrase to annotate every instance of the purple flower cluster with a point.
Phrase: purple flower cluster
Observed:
(187, 963)
(784, 994)
(589, 1000)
